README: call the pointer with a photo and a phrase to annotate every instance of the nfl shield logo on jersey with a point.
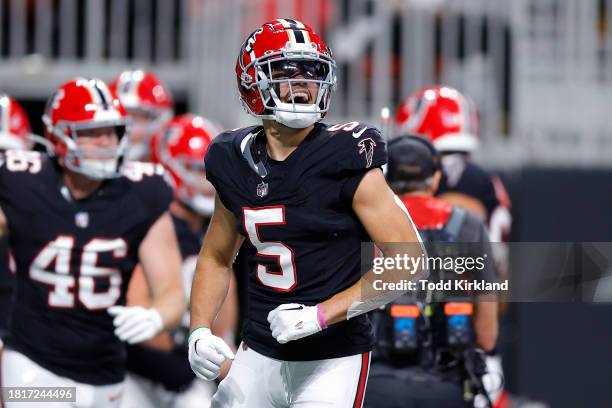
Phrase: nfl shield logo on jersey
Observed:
(262, 189)
(81, 219)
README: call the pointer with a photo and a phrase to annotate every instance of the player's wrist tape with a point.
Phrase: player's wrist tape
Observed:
(321, 317)
(203, 326)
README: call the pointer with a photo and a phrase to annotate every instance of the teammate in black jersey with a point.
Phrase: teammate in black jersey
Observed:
(77, 227)
(303, 196)
(449, 120)
(14, 134)
(158, 370)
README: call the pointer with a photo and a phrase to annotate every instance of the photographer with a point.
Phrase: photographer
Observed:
(426, 371)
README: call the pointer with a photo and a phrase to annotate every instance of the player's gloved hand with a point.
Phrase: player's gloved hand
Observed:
(207, 353)
(134, 324)
(293, 321)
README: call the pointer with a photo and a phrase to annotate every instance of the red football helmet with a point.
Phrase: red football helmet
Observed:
(144, 96)
(279, 66)
(180, 147)
(14, 125)
(85, 105)
(443, 115)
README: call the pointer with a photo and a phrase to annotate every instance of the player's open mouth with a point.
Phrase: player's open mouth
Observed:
(300, 97)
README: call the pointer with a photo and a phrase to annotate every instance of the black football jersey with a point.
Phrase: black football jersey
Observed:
(73, 260)
(462, 176)
(302, 236)
(171, 368)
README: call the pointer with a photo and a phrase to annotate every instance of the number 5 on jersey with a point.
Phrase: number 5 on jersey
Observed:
(253, 218)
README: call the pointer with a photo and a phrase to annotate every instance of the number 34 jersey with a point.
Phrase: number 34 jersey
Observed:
(74, 259)
(303, 239)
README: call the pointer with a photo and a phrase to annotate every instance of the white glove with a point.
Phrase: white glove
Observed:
(293, 321)
(134, 324)
(207, 353)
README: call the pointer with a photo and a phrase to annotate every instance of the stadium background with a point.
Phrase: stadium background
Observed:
(539, 70)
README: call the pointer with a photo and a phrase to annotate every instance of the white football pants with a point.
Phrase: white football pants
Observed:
(255, 380)
(17, 370)
(141, 392)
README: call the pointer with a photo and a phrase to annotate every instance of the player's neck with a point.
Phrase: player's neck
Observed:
(281, 140)
(195, 221)
(80, 186)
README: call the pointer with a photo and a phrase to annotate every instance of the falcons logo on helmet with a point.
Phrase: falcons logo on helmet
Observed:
(366, 146)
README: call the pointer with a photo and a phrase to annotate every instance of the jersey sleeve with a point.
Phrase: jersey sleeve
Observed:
(153, 185)
(212, 164)
(16, 168)
(474, 182)
(361, 150)
(217, 162)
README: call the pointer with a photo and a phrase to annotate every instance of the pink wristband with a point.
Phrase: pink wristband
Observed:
(320, 317)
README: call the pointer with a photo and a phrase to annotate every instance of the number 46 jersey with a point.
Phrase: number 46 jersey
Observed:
(303, 239)
(74, 259)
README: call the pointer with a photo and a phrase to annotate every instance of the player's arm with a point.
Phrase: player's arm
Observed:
(388, 225)
(226, 323)
(3, 224)
(213, 273)
(485, 323)
(160, 260)
(211, 283)
(471, 204)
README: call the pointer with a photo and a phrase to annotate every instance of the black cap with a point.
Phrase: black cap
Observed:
(411, 158)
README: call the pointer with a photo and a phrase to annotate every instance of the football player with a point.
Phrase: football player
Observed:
(404, 379)
(77, 227)
(159, 373)
(303, 196)
(14, 134)
(149, 103)
(449, 120)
